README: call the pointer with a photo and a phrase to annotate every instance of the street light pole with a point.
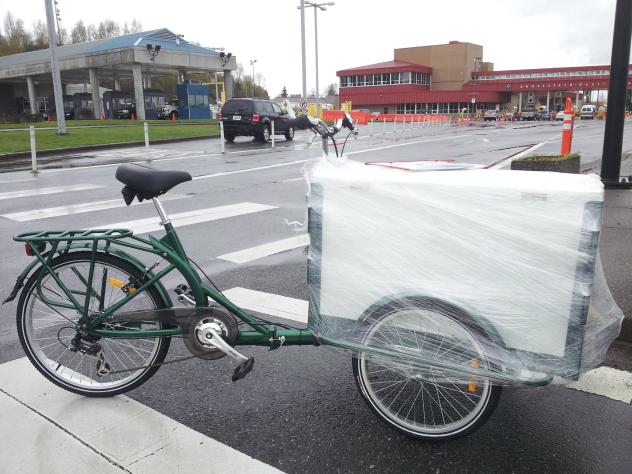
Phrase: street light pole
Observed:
(54, 69)
(302, 7)
(252, 63)
(323, 7)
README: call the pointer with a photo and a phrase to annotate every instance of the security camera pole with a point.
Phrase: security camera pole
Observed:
(54, 69)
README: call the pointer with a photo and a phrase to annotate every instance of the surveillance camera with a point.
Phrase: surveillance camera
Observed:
(157, 48)
(222, 54)
(149, 46)
(229, 55)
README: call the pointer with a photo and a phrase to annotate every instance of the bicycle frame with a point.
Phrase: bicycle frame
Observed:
(169, 248)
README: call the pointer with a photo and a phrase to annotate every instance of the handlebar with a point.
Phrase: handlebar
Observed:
(303, 122)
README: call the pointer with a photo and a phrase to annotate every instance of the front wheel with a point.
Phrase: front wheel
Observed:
(431, 404)
(47, 326)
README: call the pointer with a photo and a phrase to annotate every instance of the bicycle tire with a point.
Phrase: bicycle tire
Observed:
(489, 393)
(35, 353)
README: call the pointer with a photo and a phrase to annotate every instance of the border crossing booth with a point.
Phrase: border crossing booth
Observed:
(193, 101)
(115, 100)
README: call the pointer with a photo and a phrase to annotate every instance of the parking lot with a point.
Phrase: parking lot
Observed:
(299, 410)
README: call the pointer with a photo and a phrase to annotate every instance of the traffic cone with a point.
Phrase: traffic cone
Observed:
(567, 128)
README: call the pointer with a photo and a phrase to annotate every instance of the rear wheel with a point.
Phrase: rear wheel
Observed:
(265, 134)
(48, 331)
(426, 403)
(229, 137)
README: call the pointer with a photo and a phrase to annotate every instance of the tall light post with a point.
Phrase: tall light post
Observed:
(317, 6)
(252, 63)
(302, 8)
(54, 69)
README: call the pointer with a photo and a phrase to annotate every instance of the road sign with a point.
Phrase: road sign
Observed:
(302, 104)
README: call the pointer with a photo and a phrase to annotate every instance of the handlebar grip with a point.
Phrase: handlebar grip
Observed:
(301, 122)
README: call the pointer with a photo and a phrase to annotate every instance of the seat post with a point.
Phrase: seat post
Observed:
(164, 218)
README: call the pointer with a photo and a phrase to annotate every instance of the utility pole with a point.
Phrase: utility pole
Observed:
(54, 69)
(613, 137)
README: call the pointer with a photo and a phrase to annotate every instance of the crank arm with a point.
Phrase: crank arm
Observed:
(209, 337)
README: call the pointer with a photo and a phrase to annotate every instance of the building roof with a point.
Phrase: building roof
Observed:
(387, 66)
(163, 37)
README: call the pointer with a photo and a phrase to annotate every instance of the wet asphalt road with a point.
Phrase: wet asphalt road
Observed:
(299, 410)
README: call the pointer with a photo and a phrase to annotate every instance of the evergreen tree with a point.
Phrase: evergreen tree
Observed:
(284, 92)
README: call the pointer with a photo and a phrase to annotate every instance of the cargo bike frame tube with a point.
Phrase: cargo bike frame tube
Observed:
(168, 248)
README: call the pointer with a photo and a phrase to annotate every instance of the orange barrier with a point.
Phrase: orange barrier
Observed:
(567, 128)
(363, 118)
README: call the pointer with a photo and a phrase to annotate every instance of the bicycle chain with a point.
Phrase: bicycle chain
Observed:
(101, 366)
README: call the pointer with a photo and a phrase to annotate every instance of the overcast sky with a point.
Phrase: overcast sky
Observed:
(514, 33)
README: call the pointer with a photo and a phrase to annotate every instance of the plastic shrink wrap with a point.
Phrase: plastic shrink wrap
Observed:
(471, 273)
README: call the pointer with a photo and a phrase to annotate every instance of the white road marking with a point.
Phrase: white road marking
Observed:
(406, 144)
(608, 382)
(16, 180)
(269, 303)
(507, 162)
(79, 208)
(248, 170)
(264, 250)
(152, 224)
(42, 191)
(44, 425)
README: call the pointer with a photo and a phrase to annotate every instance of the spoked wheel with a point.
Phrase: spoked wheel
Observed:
(88, 365)
(424, 402)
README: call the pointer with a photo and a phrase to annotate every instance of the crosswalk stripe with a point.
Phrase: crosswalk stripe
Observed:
(268, 303)
(116, 434)
(608, 382)
(46, 213)
(152, 224)
(264, 250)
(42, 191)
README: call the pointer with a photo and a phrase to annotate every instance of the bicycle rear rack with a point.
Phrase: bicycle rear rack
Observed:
(73, 235)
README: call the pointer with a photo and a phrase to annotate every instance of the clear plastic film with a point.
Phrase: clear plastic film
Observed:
(460, 273)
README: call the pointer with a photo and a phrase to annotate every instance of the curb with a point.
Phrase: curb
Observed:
(60, 152)
(626, 330)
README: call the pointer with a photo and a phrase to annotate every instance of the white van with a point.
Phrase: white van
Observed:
(588, 112)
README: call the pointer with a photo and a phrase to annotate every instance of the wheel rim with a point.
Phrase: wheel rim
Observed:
(424, 401)
(48, 331)
(266, 134)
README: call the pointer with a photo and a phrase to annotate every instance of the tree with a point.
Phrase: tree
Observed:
(125, 29)
(62, 35)
(331, 89)
(18, 40)
(136, 27)
(108, 29)
(40, 35)
(284, 92)
(79, 33)
(91, 32)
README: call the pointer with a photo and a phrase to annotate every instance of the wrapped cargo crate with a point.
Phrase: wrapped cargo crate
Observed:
(409, 263)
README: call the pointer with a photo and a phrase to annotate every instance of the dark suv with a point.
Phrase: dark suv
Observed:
(253, 118)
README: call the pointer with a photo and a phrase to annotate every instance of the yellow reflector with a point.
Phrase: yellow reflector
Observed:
(120, 284)
(117, 283)
(473, 381)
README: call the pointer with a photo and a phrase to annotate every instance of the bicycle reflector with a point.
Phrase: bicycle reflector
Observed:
(39, 246)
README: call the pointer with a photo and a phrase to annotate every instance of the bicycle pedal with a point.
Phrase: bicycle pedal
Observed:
(243, 369)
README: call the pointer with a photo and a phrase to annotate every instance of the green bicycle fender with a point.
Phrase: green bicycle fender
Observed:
(164, 295)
